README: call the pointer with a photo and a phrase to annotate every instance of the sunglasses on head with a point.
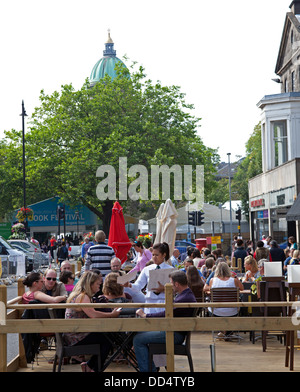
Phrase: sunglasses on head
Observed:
(54, 279)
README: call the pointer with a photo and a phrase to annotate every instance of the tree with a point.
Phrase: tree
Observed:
(11, 176)
(73, 133)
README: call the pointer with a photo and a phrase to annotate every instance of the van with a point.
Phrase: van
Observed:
(9, 258)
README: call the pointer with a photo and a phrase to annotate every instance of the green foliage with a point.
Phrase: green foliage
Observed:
(72, 133)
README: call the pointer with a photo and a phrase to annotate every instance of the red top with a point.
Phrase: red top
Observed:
(52, 241)
(26, 298)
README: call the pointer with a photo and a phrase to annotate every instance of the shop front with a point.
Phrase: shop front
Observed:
(268, 214)
(76, 222)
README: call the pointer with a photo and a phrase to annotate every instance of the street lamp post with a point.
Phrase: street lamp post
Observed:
(77, 217)
(229, 174)
(23, 114)
(221, 207)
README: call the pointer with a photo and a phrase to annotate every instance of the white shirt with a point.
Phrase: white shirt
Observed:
(143, 281)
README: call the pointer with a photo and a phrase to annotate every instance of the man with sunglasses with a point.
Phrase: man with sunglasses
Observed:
(51, 286)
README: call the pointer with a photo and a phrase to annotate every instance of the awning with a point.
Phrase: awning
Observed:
(293, 213)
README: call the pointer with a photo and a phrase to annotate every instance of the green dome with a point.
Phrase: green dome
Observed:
(106, 65)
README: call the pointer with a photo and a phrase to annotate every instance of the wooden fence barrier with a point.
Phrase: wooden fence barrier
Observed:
(11, 322)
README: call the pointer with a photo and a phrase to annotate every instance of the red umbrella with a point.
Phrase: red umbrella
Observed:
(118, 238)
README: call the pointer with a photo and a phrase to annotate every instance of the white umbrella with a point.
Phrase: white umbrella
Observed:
(159, 224)
(169, 223)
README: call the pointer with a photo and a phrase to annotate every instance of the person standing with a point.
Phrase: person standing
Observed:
(86, 246)
(143, 258)
(175, 258)
(240, 252)
(52, 246)
(99, 255)
(160, 255)
(62, 253)
(276, 253)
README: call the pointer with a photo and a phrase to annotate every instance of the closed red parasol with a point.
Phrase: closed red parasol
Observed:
(118, 238)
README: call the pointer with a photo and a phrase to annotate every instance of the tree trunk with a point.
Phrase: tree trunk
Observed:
(104, 215)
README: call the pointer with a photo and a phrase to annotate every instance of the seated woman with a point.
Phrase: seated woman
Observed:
(251, 269)
(195, 283)
(223, 278)
(67, 278)
(295, 257)
(206, 269)
(87, 286)
(34, 281)
(114, 292)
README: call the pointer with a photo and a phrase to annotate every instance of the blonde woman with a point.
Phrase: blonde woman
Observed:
(251, 269)
(223, 278)
(86, 287)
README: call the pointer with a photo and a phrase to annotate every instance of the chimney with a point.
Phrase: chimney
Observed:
(295, 7)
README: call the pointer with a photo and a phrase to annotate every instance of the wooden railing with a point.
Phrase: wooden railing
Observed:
(10, 322)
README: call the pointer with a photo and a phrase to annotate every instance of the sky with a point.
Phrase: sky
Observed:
(221, 53)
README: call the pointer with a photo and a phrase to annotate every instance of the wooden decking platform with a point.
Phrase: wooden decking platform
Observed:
(230, 357)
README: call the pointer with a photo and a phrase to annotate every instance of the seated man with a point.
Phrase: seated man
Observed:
(142, 339)
(187, 263)
(51, 286)
(115, 266)
(65, 266)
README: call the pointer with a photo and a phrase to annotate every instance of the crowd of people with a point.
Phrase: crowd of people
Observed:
(192, 275)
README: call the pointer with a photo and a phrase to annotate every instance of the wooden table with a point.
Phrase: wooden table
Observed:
(294, 292)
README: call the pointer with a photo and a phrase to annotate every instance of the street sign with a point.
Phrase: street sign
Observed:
(216, 240)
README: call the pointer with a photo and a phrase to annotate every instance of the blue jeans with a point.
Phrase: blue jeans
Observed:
(140, 344)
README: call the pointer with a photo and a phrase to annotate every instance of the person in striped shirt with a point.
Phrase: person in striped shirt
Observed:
(99, 255)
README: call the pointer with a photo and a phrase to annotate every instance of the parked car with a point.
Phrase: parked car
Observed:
(7, 254)
(29, 246)
(28, 258)
(34, 259)
(181, 245)
(75, 251)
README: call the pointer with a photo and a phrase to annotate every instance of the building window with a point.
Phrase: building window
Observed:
(280, 142)
(293, 81)
(286, 90)
(292, 37)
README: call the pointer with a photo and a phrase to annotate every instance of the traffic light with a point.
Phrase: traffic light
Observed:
(193, 218)
(238, 214)
(200, 218)
(61, 212)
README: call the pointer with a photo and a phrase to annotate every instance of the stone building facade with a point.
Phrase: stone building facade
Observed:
(275, 191)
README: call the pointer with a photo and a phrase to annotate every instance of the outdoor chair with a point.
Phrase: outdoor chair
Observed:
(225, 294)
(36, 343)
(62, 350)
(179, 349)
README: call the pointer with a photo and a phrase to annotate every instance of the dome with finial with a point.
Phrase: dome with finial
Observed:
(106, 65)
